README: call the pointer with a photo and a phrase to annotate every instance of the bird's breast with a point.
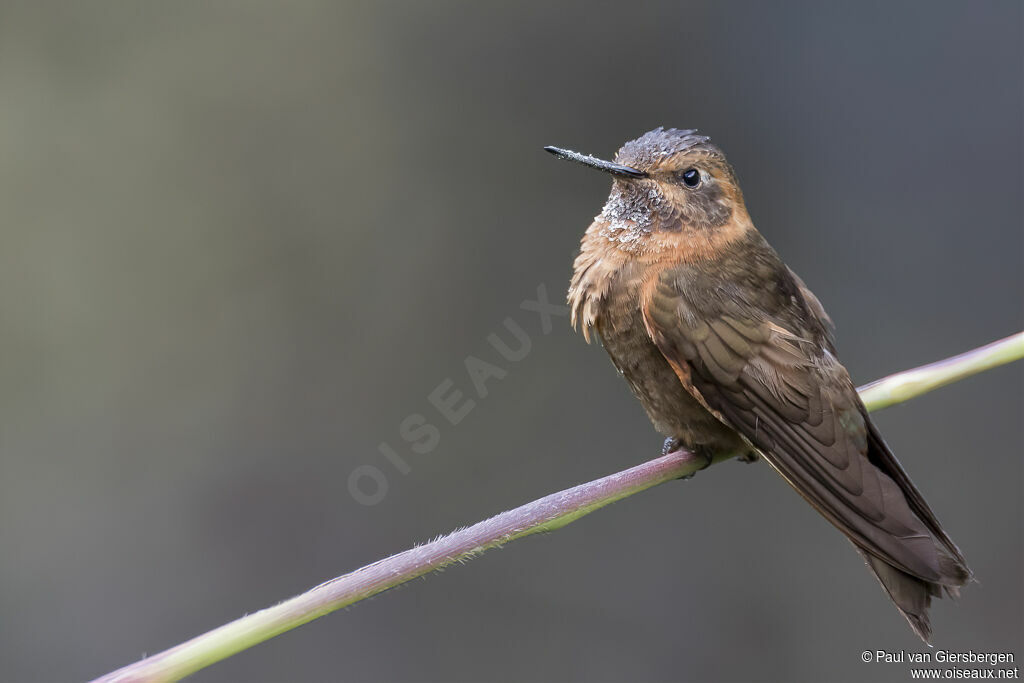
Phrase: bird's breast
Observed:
(605, 297)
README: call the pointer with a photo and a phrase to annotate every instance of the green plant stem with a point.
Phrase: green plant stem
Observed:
(906, 385)
(546, 514)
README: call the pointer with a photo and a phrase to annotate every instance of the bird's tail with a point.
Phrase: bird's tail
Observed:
(912, 595)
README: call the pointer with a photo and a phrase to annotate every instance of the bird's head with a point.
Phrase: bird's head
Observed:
(670, 188)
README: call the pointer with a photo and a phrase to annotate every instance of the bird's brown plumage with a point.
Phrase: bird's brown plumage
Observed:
(728, 351)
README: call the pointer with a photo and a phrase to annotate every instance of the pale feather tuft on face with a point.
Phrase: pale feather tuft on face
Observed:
(629, 213)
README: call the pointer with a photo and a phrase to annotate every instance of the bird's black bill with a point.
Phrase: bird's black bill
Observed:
(599, 164)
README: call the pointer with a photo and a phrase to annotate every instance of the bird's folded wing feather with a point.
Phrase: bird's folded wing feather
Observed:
(792, 399)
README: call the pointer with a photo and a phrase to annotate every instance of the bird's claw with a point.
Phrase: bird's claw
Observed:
(673, 444)
(749, 457)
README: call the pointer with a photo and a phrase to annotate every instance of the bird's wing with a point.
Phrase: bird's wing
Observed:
(793, 400)
(816, 309)
(878, 451)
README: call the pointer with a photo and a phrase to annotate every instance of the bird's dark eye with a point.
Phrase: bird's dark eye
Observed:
(691, 177)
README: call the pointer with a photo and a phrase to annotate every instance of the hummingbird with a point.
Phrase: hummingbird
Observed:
(732, 356)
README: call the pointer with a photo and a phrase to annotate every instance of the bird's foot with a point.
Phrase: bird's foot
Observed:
(749, 457)
(673, 444)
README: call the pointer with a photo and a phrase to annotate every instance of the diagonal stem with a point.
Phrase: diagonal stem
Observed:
(909, 384)
(546, 514)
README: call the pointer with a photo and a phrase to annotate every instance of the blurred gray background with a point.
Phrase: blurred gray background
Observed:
(242, 242)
